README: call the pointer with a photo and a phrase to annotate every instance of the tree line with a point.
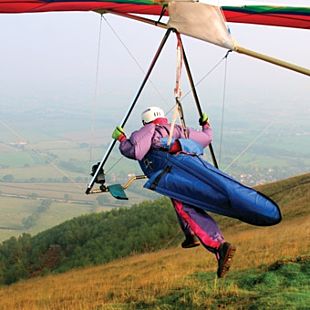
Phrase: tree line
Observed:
(89, 240)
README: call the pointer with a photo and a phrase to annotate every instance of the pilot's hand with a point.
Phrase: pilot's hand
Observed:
(119, 134)
(204, 119)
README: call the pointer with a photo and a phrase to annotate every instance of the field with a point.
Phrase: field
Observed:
(271, 269)
(50, 160)
(22, 201)
(58, 169)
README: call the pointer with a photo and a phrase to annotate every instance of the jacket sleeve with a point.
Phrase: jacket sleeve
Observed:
(139, 143)
(203, 137)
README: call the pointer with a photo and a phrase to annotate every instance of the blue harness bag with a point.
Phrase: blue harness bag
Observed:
(192, 180)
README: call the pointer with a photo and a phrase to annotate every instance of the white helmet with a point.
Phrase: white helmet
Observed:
(151, 113)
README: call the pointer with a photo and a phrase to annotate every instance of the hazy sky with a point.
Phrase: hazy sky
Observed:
(50, 59)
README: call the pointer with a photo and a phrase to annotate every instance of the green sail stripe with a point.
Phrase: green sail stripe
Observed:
(264, 9)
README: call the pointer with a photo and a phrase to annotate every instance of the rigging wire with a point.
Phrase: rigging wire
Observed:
(201, 79)
(208, 73)
(139, 66)
(93, 109)
(223, 108)
(185, 95)
(12, 130)
(134, 58)
(114, 164)
(250, 145)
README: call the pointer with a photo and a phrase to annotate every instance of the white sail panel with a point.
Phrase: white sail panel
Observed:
(201, 21)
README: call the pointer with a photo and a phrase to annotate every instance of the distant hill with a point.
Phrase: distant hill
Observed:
(100, 238)
(293, 195)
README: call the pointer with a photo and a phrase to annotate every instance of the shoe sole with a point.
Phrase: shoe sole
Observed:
(193, 245)
(227, 261)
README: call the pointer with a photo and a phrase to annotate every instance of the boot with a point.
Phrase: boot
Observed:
(225, 255)
(190, 242)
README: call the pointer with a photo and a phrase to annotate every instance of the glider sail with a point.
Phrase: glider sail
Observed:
(201, 21)
(269, 15)
(287, 16)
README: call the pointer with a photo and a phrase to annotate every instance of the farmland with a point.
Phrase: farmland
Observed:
(46, 155)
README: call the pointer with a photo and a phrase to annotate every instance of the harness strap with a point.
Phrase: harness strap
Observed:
(181, 115)
(158, 178)
(174, 118)
(177, 90)
(160, 129)
(178, 112)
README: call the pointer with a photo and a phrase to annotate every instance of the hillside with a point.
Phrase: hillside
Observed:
(186, 278)
(89, 240)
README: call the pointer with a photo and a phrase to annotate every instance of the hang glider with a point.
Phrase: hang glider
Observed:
(205, 20)
(275, 15)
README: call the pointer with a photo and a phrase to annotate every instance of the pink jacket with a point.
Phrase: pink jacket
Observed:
(149, 137)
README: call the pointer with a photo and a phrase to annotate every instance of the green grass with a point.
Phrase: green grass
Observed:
(283, 285)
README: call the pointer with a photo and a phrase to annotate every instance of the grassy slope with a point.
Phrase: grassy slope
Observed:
(177, 278)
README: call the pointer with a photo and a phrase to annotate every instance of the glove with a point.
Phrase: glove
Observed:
(203, 119)
(119, 134)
